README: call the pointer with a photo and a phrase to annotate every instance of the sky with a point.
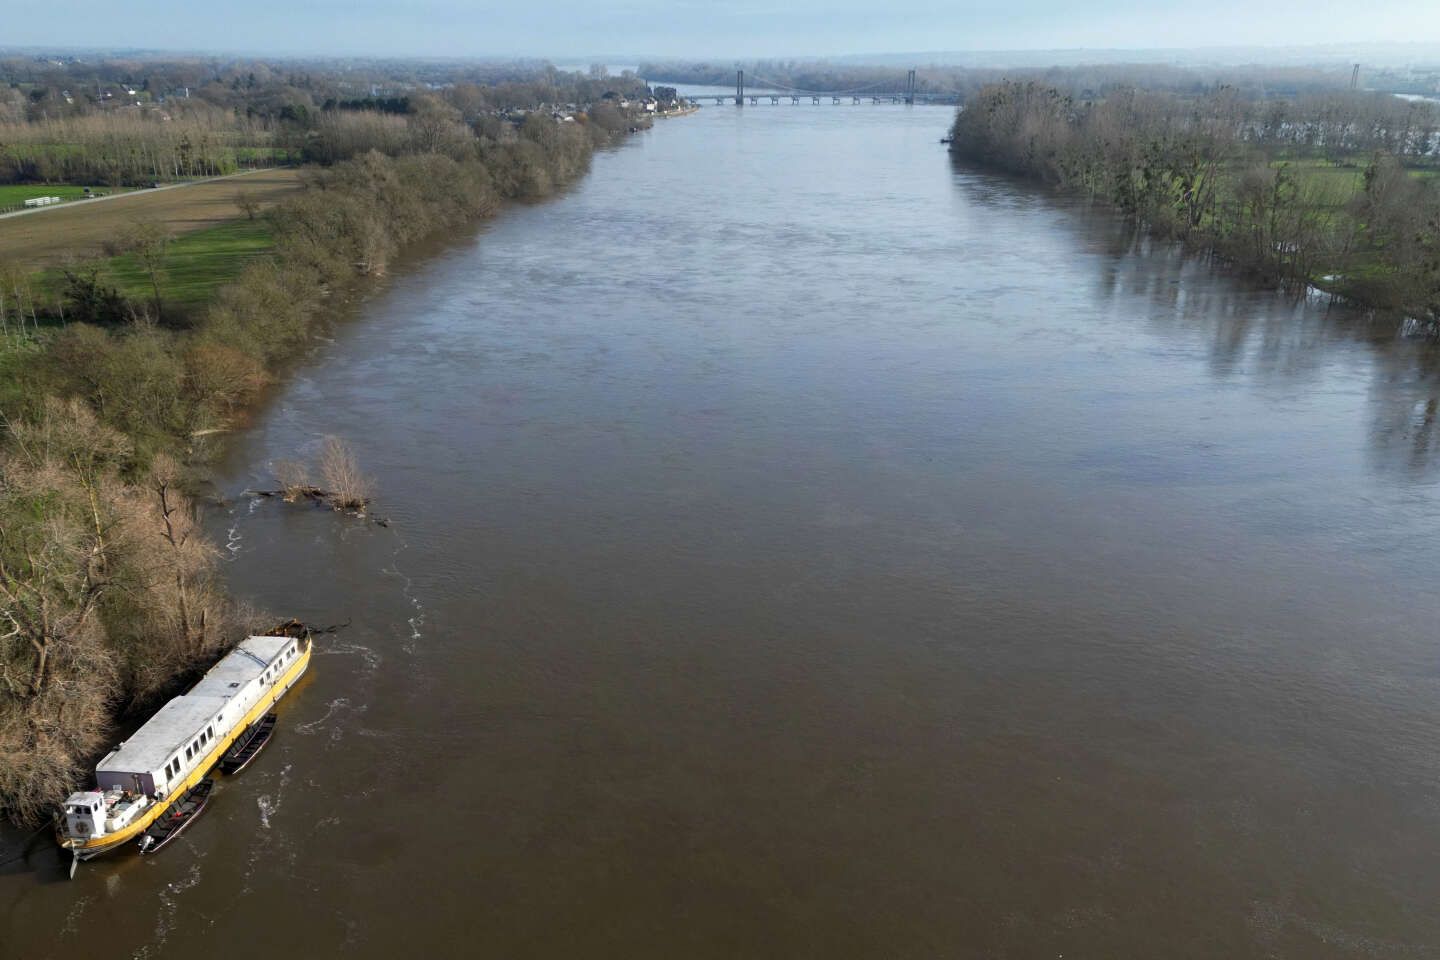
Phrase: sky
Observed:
(581, 29)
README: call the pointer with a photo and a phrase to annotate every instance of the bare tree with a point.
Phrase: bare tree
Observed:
(149, 241)
(188, 556)
(294, 480)
(346, 487)
(245, 200)
(49, 595)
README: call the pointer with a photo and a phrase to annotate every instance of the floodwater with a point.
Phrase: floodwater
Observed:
(801, 546)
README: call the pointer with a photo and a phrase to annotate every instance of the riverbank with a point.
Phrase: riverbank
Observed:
(1338, 193)
(109, 409)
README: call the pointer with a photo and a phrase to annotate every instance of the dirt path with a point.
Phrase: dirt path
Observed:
(81, 227)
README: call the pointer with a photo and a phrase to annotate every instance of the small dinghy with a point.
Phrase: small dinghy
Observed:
(250, 743)
(174, 821)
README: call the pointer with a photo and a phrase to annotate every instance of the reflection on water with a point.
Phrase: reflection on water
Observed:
(1271, 341)
(802, 546)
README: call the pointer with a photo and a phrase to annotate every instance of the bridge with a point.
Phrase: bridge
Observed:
(776, 93)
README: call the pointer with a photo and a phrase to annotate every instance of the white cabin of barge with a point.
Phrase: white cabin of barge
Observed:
(171, 743)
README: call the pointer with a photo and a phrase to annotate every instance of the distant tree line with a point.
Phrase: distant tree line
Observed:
(1331, 190)
(81, 122)
(131, 149)
(1095, 80)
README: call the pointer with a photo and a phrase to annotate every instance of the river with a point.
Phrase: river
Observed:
(801, 546)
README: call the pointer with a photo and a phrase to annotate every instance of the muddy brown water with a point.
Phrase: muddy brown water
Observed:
(804, 547)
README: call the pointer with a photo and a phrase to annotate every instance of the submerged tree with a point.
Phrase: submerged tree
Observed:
(346, 487)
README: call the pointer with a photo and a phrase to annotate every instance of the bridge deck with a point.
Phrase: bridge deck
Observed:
(817, 98)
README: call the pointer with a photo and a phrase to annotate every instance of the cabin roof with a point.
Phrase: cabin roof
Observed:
(176, 723)
(246, 662)
(173, 726)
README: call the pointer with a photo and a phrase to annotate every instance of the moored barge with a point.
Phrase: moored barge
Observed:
(145, 775)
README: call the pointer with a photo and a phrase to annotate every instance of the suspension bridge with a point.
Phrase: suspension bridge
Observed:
(777, 93)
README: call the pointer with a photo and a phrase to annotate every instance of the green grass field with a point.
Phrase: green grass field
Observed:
(1326, 184)
(196, 264)
(15, 195)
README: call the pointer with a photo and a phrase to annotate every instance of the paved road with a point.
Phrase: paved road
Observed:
(133, 193)
(82, 229)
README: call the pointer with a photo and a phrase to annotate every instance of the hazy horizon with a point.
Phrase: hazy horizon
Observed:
(633, 29)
